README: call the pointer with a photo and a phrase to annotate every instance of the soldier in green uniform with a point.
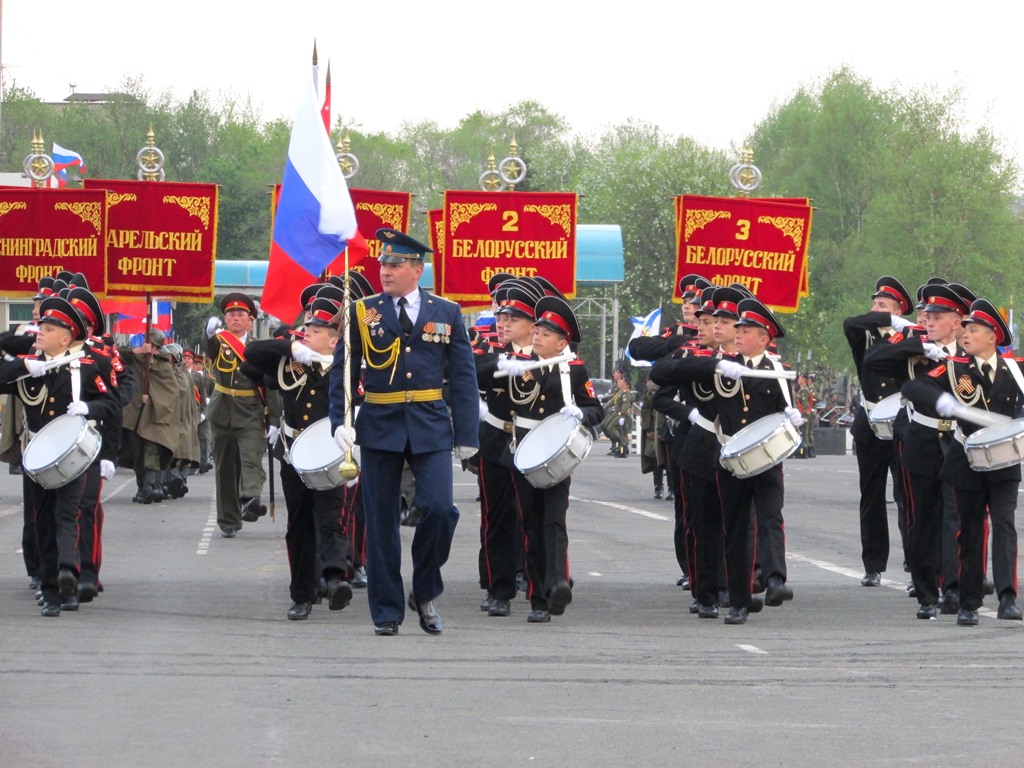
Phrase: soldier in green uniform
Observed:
(617, 409)
(236, 413)
(805, 404)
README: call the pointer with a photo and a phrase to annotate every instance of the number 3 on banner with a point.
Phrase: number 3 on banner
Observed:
(511, 221)
(743, 227)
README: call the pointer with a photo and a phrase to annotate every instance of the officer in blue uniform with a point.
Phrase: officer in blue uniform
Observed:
(409, 340)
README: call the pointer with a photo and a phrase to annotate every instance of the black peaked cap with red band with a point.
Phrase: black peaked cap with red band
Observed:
(323, 312)
(88, 305)
(555, 313)
(237, 300)
(692, 284)
(497, 280)
(707, 301)
(942, 298)
(515, 299)
(754, 313)
(58, 311)
(891, 288)
(727, 301)
(986, 313)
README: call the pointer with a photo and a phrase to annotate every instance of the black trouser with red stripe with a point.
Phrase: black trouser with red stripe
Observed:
(317, 536)
(547, 540)
(90, 526)
(679, 502)
(766, 491)
(704, 511)
(497, 530)
(56, 519)
(998, 500)
(923, 505)
(29, 542)
(876, 461)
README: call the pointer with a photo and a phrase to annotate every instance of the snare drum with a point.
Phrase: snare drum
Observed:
(996, 447)
(883, 415)
(317, 458)
(552, 450)
(61, 451)
(760, 446)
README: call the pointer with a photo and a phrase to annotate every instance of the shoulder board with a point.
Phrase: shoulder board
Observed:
(702, 352)
(667, 332)
(478, 351)
(496, 344)
(87, 361)
(936, 372)
(577, 361)
(28, 357)
(896, 338)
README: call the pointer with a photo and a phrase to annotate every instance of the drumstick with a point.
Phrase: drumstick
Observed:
(565, 357)
(979, 416)
(758, 373)
(57, 362)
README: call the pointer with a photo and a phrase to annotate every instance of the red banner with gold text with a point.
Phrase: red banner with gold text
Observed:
(759, 242)
(523, 233)
(161, 239)
(435, 229)
(44, 231)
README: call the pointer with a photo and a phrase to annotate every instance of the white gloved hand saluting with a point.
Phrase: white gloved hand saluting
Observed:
(899, 323)
(301, 353)
(729, 369)
(946, 406)
(933, 351)
(212, 325)
(513, 367)
(794, 416)
(465, 452)
(106, 469)
(345, 438)
(34, 367)
(573, 411)
(78, 408)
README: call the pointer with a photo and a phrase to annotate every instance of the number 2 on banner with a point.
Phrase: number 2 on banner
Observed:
(743, 229)
(511, 221)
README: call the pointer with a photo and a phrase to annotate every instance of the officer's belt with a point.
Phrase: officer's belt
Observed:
(509, 426)
(234, 392)
(407, 396)
(942, 425)
(706, 424)
(290, 432)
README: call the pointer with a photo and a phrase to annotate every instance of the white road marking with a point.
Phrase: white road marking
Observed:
(623, 507)
(751, 649)
(594, 573)
(211, 526)
(16, 509)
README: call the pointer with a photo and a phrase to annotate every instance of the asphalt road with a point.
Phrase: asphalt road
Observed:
(187, 659)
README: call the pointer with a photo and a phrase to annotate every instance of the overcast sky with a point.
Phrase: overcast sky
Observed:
(710, 70)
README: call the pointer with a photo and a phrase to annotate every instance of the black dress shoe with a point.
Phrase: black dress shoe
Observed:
(252, 510)
(34, 583)
(539, 616)
(911, 590)
(684, 582)
(658, 492)
(561, 596)
(500, 608)
(927, 612)
(708, 612)
(227, 533)
(339, 594)
(1008, 608)
(669, 496)
(871, 579)
(695, 606)
(359, 578)
(50, 610)
(757, 586)
(736, 616)
(486, 603)
(967, 618)
(776, 592)
(67, 582)
(430, 619)
(69, 603)
(299, 611)
(386, 629)
(949, 603)
(87, 591)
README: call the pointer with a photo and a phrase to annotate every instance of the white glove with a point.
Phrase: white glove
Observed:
(933, 351)
(212, 325)
(729, 369)
(513, 367)
(353, 482)
(694, 416)
(78, 408)
(345, 437)
(34, 367)
(622, 421)
(202, 417)
(483, 410)
(947, 405)
(573, 411)
(899, 323)
(301, 353)
(272, 434)
(465, 452)
(106, 469)
(794, 416)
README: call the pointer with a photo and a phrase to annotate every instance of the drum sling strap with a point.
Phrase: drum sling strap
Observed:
(1017, 375)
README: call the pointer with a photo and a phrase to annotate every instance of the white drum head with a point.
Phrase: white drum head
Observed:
(887, 408)
(544, 441)
(754, 434)
(995, 434)
(315, 447)
(53, 441)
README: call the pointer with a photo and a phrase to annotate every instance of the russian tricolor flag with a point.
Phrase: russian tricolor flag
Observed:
(66, 158)
(315, 218)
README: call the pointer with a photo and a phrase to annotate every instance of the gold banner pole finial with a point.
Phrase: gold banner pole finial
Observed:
(745, 177)
(348, 162)
(512, 169)
(490, 180)
(37, 165)
(150, 160)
